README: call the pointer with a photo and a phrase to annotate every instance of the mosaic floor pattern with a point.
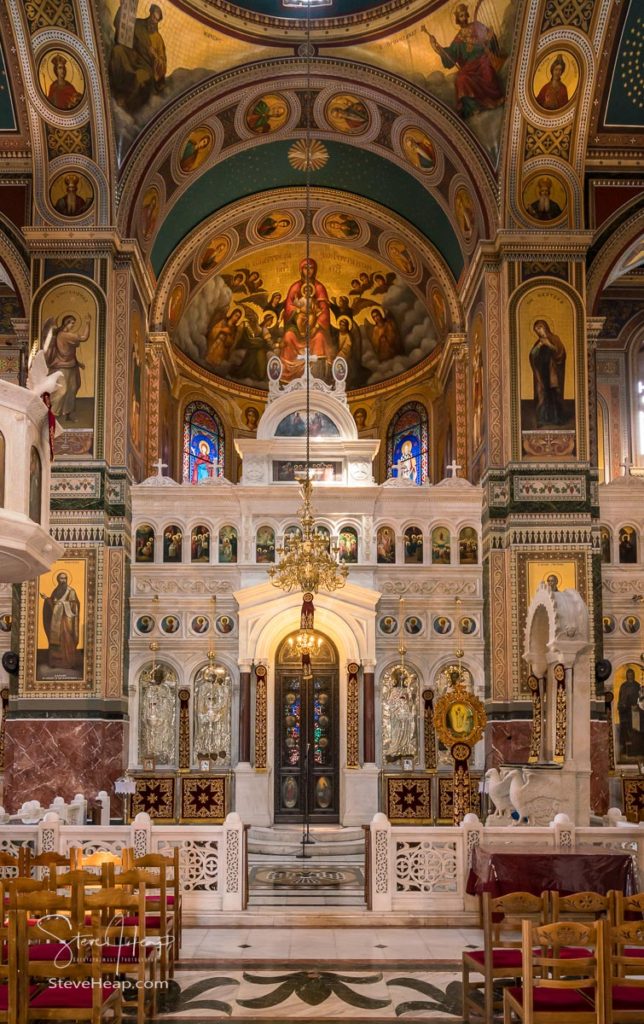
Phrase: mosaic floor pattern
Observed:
(308, 991)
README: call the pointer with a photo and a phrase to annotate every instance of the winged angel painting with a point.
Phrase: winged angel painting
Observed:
(364, 314)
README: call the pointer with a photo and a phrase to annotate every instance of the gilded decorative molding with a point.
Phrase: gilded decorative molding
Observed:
(113, 605)
(561, 714)
(353, 726)
(536, 735)
(184, 729)
(261, 717)
(500, 584)
(429, 733)
(117, 383)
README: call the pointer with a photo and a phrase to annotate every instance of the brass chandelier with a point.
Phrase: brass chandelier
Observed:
(308, 562)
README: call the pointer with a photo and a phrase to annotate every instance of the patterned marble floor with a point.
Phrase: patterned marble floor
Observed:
(275, 975)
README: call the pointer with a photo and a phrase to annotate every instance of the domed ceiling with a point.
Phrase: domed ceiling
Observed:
(237, 292)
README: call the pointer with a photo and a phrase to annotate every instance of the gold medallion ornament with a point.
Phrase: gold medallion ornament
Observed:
(308, 156)
(459, 720)
(537, 720)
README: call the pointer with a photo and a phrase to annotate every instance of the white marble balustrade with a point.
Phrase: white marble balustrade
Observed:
(212, 859)
(424, 870)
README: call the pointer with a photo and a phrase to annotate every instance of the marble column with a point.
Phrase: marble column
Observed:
(244, 713)
(369, 716)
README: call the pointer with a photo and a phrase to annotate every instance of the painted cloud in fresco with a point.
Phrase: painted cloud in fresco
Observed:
(358, 309)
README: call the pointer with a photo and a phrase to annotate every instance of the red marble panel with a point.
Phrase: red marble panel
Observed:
(599, 798)
(507, 742)
(52, 757)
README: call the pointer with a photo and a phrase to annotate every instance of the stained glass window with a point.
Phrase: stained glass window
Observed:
(408, 444)
(203, 443)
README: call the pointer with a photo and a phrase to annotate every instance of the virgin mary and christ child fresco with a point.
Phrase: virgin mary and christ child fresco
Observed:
(372, 320)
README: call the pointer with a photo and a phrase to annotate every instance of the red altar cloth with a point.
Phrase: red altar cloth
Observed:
(532, 869)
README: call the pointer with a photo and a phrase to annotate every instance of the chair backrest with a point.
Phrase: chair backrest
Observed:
(119, 912)
(628, 907)
(502, 917)
(81, 861)
(12, 865)
(579, 906)
(46, 917)
(623, 965)
(9, 959)
(545, 967)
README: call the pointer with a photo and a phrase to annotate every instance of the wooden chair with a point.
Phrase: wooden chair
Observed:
(557, 990)
(624, 959)
(42, 863)
(9, 970)
(500, 957)
(582, 907)
(11, 866)
(124, 946)
(159, 920)
(173, 864)
(80, 861)
(47, 918)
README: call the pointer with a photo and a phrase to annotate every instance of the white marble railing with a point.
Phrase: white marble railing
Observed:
(425, 870)
(212, 857)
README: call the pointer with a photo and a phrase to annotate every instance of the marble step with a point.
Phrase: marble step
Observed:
(301, 900)
(287, 840)
(306, 884)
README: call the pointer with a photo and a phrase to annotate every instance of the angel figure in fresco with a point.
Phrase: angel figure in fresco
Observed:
(222, 335)
(138, 70)
(60, 343)
(554, 94)
(548, 362)
(474, 50)
(385, 336)
(61, 611)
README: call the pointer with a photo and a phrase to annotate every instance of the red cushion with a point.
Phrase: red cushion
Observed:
(562, 1000)
(78, 997)
(4, 995)
(575, 953)
(125, 954)
(151, 920)
(628, 997)
(633, 951)
(500, 957)
(169, 899)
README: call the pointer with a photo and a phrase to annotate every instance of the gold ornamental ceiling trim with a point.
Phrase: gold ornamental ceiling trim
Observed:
(367, 24)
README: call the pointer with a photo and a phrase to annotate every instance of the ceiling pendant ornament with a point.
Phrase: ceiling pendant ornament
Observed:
(308, 563)
(308, 155)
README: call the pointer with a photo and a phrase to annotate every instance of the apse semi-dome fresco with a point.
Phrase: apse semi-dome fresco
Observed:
(357, 308)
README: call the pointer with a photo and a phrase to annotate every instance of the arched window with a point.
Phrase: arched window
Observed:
(348, 545)
(265, 544)
(385, 546)
(203, 443)
(628, 545)
(228, 544)
(408, 444)
(172, 543)
(413, 545)
(441, 546)
(468, 546)
(144, 544)
(606, 544)
(200, 543)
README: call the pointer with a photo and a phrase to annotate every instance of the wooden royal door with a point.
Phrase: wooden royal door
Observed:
(307, 720)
